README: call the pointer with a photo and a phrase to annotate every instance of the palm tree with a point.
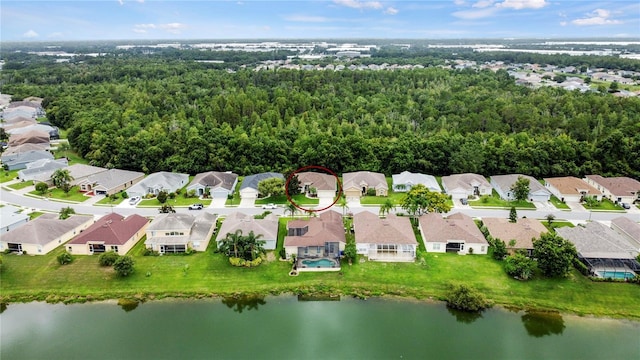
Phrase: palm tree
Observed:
(344, 205)
(290, 208)
(387, 207)
(62, 179)
(253, 247)
(231, 241)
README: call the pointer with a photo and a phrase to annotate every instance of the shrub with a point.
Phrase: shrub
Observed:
(65, 258)
(283, 253)
(371, 192)
(466, 298)
(499, 249)
(484, 199)
(42, 188)
(108, 258)
(172, 196)
(162, 197)
(124, 266)
(580, 266)
(519, 266)
(150, 252)
(123, 194)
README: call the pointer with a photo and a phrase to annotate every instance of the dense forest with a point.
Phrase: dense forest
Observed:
(155, 113)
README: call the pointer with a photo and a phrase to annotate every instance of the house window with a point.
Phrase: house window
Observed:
(114, 248)
(436, 246)
(482, 249)
(387, 248)
(70, 248)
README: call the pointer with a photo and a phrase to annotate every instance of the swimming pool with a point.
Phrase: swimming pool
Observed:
(322, 263)
(616, 274)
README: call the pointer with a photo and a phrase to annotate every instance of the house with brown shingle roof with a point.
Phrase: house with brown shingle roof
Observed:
(571, 189)
(617, 189)
(30, 137)
(219, 184)
(461, 186)
(356, 184)
(457, 233)
(113, 232)
(326, 185)
(43, 234)
(267, 228)
(516, 236)
(318, 237)
(627, 228)
(388, 239)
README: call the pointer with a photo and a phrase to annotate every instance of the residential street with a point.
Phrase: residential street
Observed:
(14, 198)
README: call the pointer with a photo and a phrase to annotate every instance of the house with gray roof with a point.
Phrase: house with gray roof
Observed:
(177, 232)
(110, 181)
(464, 185)
(20, 160)
(249, 187)
(11, 217)
(601, 248)
(629, 229)
(218, 184)
(41, 170)
(356, 184)
(24, 148)
(267, 228)
(406, 180)
(157, 182)
(504, 183)
(457, 233)
(388, 239)
(43, 234)
(81, 172)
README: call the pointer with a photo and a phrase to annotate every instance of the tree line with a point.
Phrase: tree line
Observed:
(162, 114)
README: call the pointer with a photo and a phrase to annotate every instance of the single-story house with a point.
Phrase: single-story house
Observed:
(219, 184)
(17, 119)
(20, 160)
(504, 183)
(81, 172)
(177, 232)
(356, 184)
(267, 228)
(31, 137)
(522, 233)
(157, 182)
(249, 187)
(457, 233)
(11, 218)
(44, 233)
(571, 189)
(318, 237)
(461, 186)
(388, 239)
(110, 181)
(41, 170)
(617, 189)
(627, 228)
(53, 131)
(112, 232)
(406, 180)
(21, 111)
(326, 185)
(11, 150)
(601, 248)
(17, 123)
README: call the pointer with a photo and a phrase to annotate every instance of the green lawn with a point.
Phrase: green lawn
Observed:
(556, 224)
(34, 214)
(396, 197)
(21, 185)
(235, 200)
(178, 201)
(107, 200)
(299, 199)
(74, 157)
(8, 175)
(26, 278)
(604, 205)
(56, 194)
(559, 204)
(495, 201)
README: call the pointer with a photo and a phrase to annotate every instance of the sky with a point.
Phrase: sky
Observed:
(50, 20)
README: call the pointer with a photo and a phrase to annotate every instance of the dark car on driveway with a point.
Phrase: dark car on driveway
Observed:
(196, 207)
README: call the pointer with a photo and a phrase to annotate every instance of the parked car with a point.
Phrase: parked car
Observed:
(196, 207)
(464, 201)
(134, 200)
(269, 206)
(625, 206)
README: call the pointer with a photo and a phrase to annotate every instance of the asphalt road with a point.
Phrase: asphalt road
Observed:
(10, 197)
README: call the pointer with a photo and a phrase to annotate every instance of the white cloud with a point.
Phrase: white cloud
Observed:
(306, 18)
(391, 11)
(357, 4)
(459, 2)
(173, 28)
(597, 17)
(475, 14)
(30, 34)
(563, 23)
(523, 4)
(121, 2)
(483, 4)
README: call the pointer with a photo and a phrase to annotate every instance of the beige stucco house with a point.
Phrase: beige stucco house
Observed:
(356, 184)
(177, 232)
(112, 232)
(388, 239)
(457, 233)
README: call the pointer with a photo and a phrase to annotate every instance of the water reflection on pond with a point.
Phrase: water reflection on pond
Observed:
(285, 327)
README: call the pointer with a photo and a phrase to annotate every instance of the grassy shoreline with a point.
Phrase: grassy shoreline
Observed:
(206, 275)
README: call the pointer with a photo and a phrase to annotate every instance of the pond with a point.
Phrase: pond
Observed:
(286, 327)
